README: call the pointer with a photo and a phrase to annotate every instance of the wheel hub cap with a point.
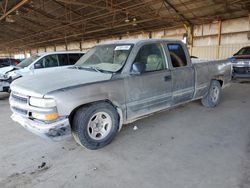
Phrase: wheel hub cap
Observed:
(99, 125)
(215, 94)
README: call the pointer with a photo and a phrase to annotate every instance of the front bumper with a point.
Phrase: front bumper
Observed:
(56, 131)
(241, 72)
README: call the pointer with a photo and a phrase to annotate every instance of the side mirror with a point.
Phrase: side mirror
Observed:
(38, 66)
(138, 68)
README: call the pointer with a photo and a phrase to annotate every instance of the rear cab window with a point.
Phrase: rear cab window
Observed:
(177, 55)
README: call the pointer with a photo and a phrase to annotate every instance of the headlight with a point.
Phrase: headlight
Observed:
(14, 74)
(233, 59)
(4, 76)
(44, 103)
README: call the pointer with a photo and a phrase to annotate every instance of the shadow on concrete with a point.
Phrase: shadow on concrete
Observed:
(4, 96)
(241, 80)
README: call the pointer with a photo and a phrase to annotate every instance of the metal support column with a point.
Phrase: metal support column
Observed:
(218, 40)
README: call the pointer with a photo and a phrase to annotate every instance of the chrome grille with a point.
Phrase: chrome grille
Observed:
(19, 98)
(19, 103)
(20, 111)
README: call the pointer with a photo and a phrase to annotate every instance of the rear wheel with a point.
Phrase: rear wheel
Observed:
(213, 96)
(95, 126)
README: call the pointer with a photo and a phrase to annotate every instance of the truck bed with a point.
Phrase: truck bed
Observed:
(208, 70)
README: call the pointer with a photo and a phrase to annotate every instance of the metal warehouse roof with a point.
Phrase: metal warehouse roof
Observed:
(25, 24)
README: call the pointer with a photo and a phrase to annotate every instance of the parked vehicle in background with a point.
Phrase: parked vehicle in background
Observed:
(37, 63)
(4, 62)
(115, 84)
(241, 63)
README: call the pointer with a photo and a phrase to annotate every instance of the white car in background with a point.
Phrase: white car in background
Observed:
(37, 63)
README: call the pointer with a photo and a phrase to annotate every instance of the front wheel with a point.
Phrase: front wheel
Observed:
(213, 96)
(95, 126)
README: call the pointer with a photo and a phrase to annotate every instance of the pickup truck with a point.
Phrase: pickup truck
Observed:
(241, 63)
(115, 84)
(36, 63)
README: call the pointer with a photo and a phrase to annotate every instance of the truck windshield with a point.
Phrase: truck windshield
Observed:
(110, 58)
(28, 61)
(244, 51)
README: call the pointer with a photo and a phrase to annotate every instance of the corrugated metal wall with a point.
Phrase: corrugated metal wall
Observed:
(234, 35)
(210, 52)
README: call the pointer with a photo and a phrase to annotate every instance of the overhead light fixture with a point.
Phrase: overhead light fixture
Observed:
(127, 19)
(134, 22)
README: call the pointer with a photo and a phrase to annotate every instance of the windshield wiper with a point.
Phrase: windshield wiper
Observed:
(96, 69)
(75, 67)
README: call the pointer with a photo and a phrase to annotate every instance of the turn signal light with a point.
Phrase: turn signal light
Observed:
(46, 117)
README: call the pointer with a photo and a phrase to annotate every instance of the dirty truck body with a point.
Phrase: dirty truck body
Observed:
(93, 102)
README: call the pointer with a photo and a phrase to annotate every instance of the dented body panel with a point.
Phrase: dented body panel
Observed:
(133, 95)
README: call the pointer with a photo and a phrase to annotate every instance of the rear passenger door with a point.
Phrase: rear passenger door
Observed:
(182, 72)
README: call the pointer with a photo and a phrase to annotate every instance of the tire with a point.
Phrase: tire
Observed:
(213, 96)
(95, 126)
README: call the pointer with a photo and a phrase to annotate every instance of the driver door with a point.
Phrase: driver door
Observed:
(150, 90)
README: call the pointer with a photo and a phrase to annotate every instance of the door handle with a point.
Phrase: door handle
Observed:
(169, 77)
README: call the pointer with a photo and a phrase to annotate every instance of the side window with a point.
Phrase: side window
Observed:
(150, 58)
(63, 59)
(73, 58)
(50, 61)
(177, 55)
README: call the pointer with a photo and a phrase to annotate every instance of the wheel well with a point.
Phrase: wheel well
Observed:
(72, 114)
(220, 81)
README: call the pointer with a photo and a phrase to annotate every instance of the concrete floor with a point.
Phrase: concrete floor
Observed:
(187, 147)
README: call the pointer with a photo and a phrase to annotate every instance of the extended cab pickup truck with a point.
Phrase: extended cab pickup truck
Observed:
(114, 84)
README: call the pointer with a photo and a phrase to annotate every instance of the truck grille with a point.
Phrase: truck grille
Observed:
(19, 98)
(20, 111)
(19, 103)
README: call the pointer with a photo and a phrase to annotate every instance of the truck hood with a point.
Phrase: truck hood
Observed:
(42, 83)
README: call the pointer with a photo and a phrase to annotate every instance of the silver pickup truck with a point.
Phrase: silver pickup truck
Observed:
(114, 84)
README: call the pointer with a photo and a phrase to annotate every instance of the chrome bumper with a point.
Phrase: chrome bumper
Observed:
(56, 131)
